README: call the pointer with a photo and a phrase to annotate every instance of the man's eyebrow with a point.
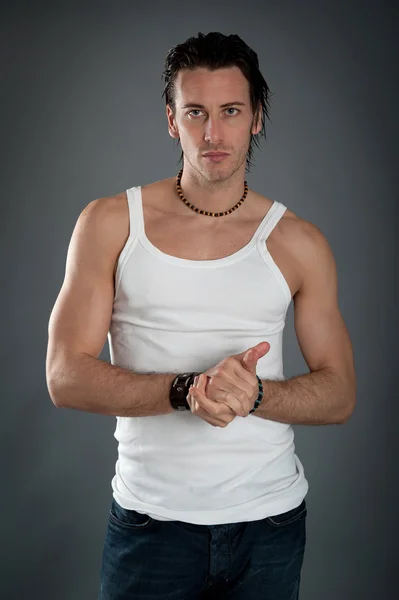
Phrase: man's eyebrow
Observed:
(196, 105)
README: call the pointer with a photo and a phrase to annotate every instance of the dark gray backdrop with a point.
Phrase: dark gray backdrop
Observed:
(82, 118)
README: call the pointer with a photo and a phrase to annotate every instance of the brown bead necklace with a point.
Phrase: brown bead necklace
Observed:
(205, 212)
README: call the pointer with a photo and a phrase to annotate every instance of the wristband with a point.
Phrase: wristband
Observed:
(260, 395)
(183, 381)
(179, 390)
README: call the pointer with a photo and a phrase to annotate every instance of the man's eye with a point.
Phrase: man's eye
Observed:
(197, 110)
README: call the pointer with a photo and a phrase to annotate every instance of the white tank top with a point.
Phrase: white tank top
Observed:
(173, 315)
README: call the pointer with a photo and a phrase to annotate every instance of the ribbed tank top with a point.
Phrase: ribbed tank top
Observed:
(173, 315)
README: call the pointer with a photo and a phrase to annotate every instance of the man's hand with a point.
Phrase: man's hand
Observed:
(228, 389)
(215, 413)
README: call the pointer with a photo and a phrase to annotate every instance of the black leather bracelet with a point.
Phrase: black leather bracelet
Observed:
(181, 384)
(179, 390)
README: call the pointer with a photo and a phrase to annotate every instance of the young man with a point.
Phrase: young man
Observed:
(208, 493)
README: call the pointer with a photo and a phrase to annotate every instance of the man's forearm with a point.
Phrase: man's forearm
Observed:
(93, 385)
(316, 398)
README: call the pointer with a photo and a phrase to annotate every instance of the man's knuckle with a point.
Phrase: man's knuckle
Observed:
(242, 396)
(222, 372)
(227, 363)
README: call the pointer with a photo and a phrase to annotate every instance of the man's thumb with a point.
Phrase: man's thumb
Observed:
(252, 355)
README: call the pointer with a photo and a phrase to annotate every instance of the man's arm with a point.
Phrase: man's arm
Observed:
(328, 393)
(79, 325)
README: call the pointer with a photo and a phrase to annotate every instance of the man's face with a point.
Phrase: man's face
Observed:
(203, 124)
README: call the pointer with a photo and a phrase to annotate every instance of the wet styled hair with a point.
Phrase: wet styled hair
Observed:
(217, 51)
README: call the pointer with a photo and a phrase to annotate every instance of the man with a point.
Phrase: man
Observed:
(208, 501)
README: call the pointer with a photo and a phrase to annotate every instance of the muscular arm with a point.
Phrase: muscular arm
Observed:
(328, 393)
(93, 385)
(316, 398)
(79, 323)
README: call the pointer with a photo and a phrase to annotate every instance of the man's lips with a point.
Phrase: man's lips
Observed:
(215, 157)
(215, 154)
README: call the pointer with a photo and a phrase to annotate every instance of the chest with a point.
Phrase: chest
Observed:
(186, 238)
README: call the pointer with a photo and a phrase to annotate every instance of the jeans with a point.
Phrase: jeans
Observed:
(172, 560)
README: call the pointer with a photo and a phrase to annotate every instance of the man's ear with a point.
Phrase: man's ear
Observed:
(257, 121)
(172, 127)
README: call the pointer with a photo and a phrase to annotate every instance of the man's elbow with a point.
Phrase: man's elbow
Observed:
(347, 393)
(57, 380)
(349, 409)
(54, 392)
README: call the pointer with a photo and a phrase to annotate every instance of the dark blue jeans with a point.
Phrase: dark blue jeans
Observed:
(171, 560)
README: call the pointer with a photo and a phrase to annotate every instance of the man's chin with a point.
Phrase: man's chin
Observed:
(215, 171)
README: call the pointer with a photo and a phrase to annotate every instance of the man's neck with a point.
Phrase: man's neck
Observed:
(212, 196)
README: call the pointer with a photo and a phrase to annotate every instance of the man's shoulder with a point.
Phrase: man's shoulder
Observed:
(308, 246)
(111, 214)
(108, 206)
(302, 242)
(107, 219)
(310, 239)
(115, 207)
(301, 233)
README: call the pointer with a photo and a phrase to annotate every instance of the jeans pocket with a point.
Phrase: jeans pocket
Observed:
(128, 518)
(291, 516)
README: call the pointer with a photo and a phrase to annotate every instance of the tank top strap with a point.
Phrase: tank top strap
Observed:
(271, 219)
(136, 221)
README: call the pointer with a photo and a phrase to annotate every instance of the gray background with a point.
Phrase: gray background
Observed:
(82, 117)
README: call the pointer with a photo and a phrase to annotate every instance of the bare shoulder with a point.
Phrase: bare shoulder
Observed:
(304, 234)
(292, 229)
(311, 243)
(301, 248)
(107, 219)
(111, 215)
(308, 247)
(113, 207)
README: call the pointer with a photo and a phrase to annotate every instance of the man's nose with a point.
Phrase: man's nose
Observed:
(213, 131)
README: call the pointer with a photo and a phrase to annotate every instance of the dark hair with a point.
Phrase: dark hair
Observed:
(217, 51)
